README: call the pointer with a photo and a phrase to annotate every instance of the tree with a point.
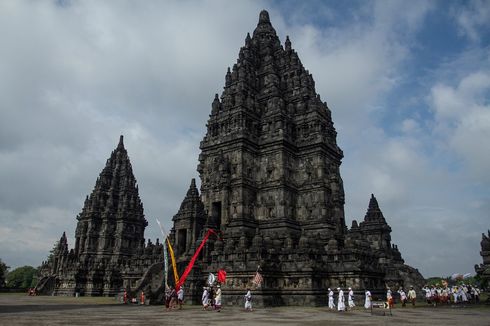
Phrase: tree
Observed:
(3, 273)
(22, 277)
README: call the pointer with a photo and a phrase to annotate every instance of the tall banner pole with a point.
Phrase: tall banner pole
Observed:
(165, 254)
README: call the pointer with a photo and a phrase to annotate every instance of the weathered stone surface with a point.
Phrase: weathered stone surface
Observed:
(269, 167)
(483, 270)
(110, 251)
(270, 182)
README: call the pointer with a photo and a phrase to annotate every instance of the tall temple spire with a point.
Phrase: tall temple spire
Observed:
(121, 142)
(115, 199)
(264, 17)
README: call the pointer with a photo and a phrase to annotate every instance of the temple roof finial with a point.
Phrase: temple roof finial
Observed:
(121, 142)
(287, 44)
(264, 17)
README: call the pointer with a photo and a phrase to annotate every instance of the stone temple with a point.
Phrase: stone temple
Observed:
(270, 182)
(483, 270)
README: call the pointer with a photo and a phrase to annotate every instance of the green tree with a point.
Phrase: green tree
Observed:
(22, 277)
(3, 273)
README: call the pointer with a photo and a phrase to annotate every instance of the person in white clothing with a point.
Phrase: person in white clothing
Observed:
(350, 300)
(248, 300)
(403, 296)
(367, 302)
(180, 296)
(412, 296)
(341, 300)
(331, 303)
(205, 298)
(217, 299)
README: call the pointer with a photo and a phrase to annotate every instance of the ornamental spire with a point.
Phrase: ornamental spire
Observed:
(121, 142)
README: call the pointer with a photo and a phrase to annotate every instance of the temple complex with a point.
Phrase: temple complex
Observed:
(270, 183)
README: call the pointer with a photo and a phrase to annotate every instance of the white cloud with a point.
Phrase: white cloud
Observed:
(463, 120)
(75, 77)
(473, 18)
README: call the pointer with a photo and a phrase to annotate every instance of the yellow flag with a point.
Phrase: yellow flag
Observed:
(174, 265)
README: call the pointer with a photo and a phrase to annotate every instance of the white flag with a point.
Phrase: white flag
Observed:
(211, 278)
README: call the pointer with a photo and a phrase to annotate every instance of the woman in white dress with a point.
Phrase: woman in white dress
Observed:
(248, 300)
(217, 299)
(205, 298)
(331, 304)
(367, 303)
(341, 300)
(350, 300)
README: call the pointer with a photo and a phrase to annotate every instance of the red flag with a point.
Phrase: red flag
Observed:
(193, 259)
(221, 276)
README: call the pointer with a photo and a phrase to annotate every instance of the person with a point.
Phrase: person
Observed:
(412, 295)
(455, 294)
(205, 298)
(211, 296)
(403, 296)
(125, 296)
(142, 297)
(350, 300)
(180, 296)
(341, 300)
(217, 299)
(389, 298)
(331, 304)
(173, 298)
(248, 300)
(168, 297)
(427, 295)
(476, 294)
(367, 302)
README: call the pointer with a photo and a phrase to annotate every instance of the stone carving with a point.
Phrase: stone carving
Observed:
(483, 270)
(296, 192)
(109, 237)
(269, 167)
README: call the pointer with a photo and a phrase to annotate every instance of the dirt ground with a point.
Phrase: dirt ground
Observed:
(24, 310)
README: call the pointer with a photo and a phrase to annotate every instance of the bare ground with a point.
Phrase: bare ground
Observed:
(24, 310)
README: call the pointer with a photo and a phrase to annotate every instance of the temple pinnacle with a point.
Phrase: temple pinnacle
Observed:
(264, 17)
(121, 142)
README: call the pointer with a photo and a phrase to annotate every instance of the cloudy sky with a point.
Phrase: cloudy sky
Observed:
(408, 84)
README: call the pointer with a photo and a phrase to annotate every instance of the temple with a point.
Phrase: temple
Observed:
(110, 251)
(270, 183)
(483, 270)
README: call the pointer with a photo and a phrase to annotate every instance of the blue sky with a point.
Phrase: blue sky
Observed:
(408, 84)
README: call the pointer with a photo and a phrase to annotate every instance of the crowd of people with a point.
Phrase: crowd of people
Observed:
(457, 294)
(133, 299)
(174, 297)
(434, 295)
(211, 298)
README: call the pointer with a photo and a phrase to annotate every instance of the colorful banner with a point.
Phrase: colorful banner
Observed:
(174, 265)
(193, 259)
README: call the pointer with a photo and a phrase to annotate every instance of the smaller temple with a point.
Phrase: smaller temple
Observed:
(483, 270)
(110, 252)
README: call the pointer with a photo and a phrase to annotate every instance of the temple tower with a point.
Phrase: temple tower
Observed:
(112, 223)
(270, 157)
